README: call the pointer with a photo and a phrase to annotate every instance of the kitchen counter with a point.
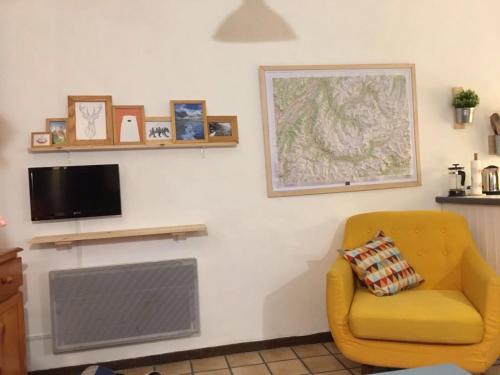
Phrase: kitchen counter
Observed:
(486, 200)
(483, 216)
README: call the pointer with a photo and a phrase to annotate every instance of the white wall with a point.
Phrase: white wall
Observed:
(262, 265)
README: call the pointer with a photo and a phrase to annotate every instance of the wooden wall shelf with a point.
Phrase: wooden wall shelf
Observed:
(131, 147)
(454, 92)
(177, 232)
(492, 148)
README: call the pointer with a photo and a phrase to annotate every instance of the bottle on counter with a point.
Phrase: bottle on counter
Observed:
(476, 179)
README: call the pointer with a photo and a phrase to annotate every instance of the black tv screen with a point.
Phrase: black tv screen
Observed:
(74, 191)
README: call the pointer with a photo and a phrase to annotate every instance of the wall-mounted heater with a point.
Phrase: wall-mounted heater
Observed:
(107, 306)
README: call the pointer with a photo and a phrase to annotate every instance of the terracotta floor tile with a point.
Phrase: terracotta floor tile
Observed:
(174, 368)
(244, 359)
(332, 348)
(290, 367)
(347, 362)
(494, 370)
(136, 371)
(214, 372)
(212, 363)
(251, 370)
(310, 350)
(278, 354)
(281, 361)
(323, 363)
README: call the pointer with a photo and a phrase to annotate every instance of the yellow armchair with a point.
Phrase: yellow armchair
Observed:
(453, 317)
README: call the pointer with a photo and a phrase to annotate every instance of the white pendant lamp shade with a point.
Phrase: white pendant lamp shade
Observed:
(254, 22)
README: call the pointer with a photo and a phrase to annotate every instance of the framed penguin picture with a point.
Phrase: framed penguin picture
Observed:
(157, 130)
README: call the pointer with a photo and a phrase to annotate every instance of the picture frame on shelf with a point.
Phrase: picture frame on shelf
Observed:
(57, 127)
(222, 128)
(157, 129)
(128, 124)
(41, 139)
(189, 121)
(89, 120)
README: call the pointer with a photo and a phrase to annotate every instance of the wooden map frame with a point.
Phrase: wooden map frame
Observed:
(272, 192)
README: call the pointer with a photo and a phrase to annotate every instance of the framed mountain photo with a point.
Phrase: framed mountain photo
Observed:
(189, 121)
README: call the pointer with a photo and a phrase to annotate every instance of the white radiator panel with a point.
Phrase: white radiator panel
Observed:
(116, 305)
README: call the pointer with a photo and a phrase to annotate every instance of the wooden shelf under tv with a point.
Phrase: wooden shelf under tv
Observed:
(63, 148)
(67, 240)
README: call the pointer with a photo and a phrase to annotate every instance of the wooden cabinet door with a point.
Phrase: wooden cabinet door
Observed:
(12, 340)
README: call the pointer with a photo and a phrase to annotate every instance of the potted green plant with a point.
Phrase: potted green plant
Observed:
(464, 103)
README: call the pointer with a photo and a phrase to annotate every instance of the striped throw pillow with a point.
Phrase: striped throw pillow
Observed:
(380, 266)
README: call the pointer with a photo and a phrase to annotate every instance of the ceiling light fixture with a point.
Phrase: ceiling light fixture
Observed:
(254, 22)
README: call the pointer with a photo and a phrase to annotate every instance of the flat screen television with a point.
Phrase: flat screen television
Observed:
(74, 191)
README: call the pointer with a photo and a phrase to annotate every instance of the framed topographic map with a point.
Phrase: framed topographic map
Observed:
(339, 128)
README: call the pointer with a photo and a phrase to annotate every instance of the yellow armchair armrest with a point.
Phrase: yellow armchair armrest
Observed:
(339, 294)
(481, 285)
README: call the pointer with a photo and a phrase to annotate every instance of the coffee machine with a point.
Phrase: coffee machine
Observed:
(456, 181)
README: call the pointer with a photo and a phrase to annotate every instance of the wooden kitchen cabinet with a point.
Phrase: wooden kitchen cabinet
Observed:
(12, 336)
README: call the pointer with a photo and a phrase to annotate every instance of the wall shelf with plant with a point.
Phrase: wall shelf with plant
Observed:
(464, 102)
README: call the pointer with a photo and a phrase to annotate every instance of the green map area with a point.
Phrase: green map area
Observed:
(330, 130)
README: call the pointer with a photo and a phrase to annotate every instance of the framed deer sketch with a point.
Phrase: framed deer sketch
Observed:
(89, 120)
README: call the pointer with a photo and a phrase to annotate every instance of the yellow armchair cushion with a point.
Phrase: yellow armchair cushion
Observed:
(427, 316)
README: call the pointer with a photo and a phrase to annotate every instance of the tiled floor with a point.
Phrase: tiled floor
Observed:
(324, 359)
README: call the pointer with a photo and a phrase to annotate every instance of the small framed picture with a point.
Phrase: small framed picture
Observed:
(41, 139)
(128, 124)
(158, 130)
(89, 120)
(222, 128)
(57, 128)
(189, 121)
